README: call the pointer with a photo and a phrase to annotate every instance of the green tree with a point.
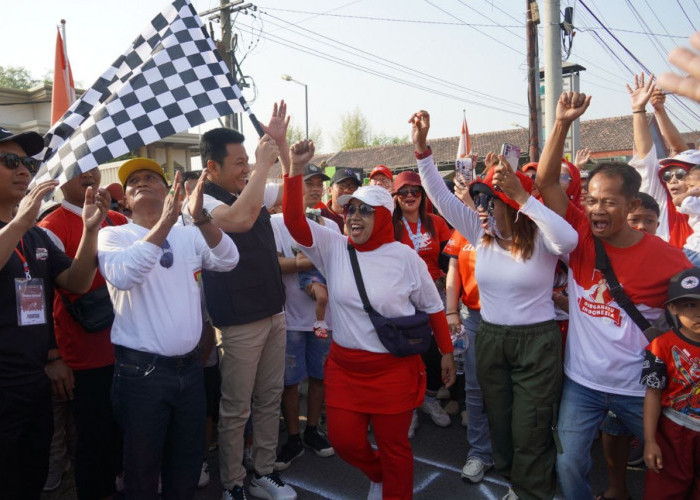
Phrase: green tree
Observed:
(387, 140)
(296, 133)
(16, 77)
(354, 131)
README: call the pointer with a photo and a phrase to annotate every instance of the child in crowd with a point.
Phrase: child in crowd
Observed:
(646, 216)
(689, 203)
(314, 284)
(671, 374)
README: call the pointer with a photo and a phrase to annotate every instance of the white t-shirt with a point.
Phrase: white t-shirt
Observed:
(691, 206)
(269, 198)
(299, 308)
(648, 168)
(156, 309)
(396, 279)
(512, 291)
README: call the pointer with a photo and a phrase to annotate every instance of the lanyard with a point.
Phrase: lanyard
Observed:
(24, 260)
(415, 238)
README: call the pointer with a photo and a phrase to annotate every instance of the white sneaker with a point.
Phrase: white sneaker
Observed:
(204, 475)
(465, 418)
(437, 414)
(375, 491)
(443, 393)
(271, 486)
(474, 470)
(414, 425)
(510, 495)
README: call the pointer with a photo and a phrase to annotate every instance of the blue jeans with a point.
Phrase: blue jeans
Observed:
(580, 414)
(478, 435)
(305, 356)
(160, 404)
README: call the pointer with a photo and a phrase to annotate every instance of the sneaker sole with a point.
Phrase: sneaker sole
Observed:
(278, 466)
(326, 452)
(472, 479)
(260, 492)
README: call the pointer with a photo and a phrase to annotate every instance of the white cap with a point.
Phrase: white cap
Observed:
(375, 196)
(689, 156)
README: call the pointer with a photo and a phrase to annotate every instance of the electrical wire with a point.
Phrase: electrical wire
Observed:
(686, 15)
(493, 21)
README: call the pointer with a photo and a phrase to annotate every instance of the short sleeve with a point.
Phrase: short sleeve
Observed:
(58, 261)
(654, 372)
(454, 244)
(442, 229)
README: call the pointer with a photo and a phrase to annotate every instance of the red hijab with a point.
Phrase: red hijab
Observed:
(382, 232)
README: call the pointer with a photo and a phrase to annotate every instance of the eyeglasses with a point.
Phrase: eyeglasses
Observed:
(166, 260)
(347, 186)
(483, 200)
(13, 161)
(363, 209)
(564, 178)
(404, 191)
(679, 174)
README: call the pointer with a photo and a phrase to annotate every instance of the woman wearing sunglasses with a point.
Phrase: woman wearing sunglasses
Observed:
(364, 382)
(518, 346)
(427, 234)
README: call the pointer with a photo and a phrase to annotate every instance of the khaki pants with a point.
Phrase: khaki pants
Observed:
(252, 364)
(520, 372)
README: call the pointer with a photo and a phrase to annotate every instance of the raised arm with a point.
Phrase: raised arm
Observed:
(292, 201)
(639, 97)
(668, 130)
(688, 61)
(570, 107)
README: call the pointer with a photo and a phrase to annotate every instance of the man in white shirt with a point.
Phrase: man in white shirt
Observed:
(152, 270)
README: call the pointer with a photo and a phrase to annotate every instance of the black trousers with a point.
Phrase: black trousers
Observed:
(26, 428)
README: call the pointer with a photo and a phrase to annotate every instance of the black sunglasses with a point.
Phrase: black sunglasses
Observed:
(483, 200)
(363, 209)
(166, 260)
(680, 174)
(13, 161)
(404, 191)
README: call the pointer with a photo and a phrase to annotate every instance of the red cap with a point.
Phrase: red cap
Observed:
(406, 178)
(525, 182)
(529, 166)
(382, 169)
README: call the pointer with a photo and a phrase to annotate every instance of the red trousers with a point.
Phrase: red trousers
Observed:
(392, 462)
(680, 453)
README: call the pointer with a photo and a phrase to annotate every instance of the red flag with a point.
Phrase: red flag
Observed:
(63, 94)
(463, 164)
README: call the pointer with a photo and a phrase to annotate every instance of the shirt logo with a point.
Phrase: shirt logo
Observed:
(42, 254)
(597, 301)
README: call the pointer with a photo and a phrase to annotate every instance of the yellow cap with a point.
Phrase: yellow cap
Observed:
(135, 164)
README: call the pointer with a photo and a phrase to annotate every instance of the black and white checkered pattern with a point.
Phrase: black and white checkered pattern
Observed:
(170, 79)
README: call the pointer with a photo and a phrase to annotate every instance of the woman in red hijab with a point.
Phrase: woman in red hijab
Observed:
(364, 382)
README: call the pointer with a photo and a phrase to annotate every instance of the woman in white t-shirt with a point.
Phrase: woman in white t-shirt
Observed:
(364, 382)
(518, 346)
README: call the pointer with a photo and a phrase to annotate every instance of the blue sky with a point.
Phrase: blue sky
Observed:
(451, 49)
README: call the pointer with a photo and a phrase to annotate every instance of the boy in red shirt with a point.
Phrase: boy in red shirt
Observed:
(671, 374)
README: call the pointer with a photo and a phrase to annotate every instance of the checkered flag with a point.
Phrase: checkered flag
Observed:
(169, 80)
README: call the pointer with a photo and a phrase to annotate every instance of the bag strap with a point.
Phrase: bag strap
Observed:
(358, 279)
(602, 262)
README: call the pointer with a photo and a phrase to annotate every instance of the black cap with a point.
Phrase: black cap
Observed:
(342, 173)
(477, 187)
(310, 170)
(31, 142)
(684, 285)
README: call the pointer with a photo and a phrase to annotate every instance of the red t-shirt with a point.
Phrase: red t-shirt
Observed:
(428, 245)
(79, 349)
(459, 247)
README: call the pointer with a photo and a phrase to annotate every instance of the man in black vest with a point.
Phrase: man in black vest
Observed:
(246, 305)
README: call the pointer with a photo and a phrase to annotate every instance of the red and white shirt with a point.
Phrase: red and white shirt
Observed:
(604, 347)
(428, 245)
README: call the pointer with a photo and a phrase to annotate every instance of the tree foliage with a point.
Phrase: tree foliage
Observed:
(387, 140)
(296, 133)
(354, 131)
(16, 77)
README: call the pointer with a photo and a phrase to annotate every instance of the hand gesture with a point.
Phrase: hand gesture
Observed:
(267, 152)
(195, 197)
(462, 191)
(449, 369)
(490, 161)
(582, 157)
(420, 124)
(173, 202)
(277, 128)
(506, 179)
(652, 457)
(95, 208)
(454, 322)
(571, 105)
(658, 99)
(641, 93)
(687, 61)
(300, 155)
(62, 380)
(28, 209)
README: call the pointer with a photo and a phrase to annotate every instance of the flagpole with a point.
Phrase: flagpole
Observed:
(65, 56)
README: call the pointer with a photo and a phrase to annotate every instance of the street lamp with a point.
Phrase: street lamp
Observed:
(306, 99)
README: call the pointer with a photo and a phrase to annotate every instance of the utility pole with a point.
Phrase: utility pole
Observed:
(533, 79)
(552, 61)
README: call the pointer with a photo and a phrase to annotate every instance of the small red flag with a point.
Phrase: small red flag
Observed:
(63, 93)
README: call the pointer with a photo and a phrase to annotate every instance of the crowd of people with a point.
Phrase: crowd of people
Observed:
(576, 296)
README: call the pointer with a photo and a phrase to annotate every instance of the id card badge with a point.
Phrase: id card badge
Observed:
(31, 306)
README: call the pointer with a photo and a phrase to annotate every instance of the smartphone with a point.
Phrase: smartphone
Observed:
(511, 153)
(464, 169)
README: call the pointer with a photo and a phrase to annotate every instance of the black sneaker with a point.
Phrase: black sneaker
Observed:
(318, 443)
(294, 448)
(237, 493)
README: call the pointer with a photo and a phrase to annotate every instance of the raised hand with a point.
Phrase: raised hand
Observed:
(572, 105)
(279, 122)
(95, 207)
(658, 99)
(688, 61)
(420, 124)
(300, 154)
(582, 157)
(506, 179)
(641, 93)
(195, 197)
(267, 151)
(173, 202)
(28, 208)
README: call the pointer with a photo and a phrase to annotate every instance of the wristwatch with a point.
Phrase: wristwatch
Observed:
(206, 218)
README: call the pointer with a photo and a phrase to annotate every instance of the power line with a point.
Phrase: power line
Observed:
(487, 17)
(686, 14)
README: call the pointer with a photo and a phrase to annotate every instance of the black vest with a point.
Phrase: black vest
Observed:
(253, 290)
